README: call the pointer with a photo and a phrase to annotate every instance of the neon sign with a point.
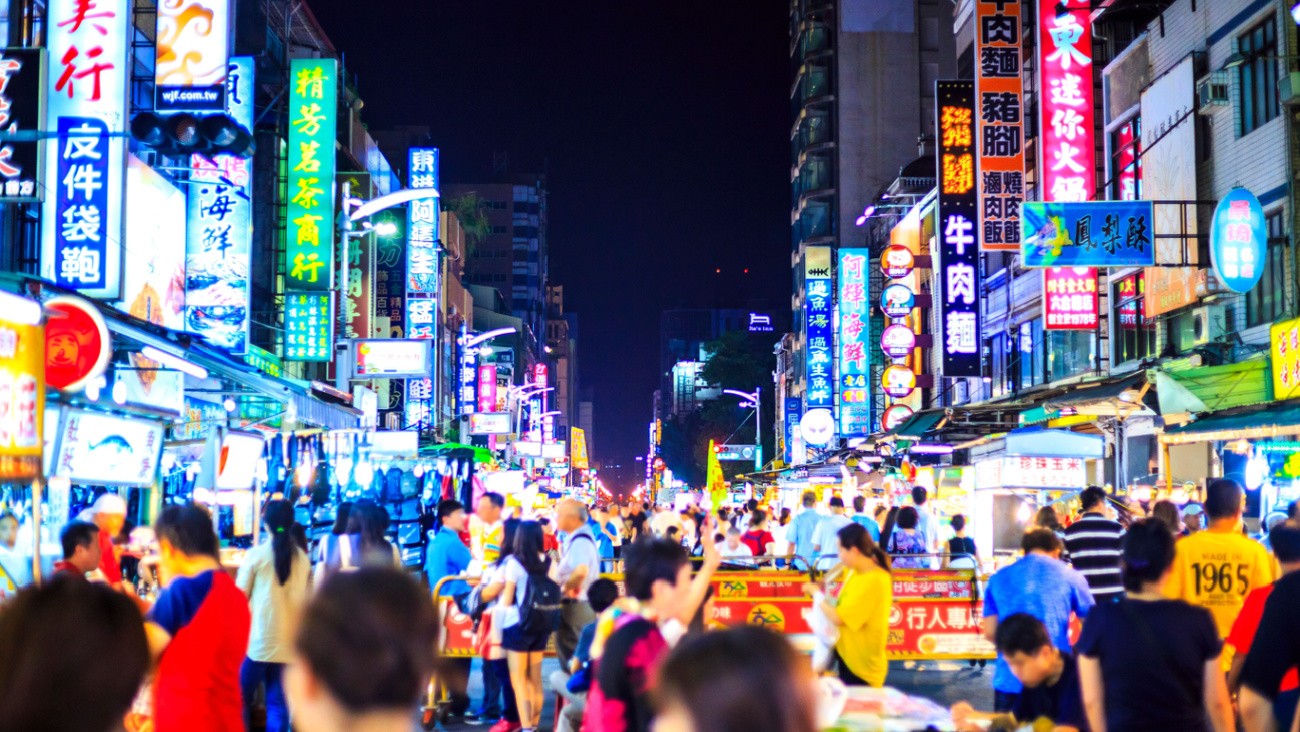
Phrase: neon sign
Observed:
(956, 234)
(854, 351)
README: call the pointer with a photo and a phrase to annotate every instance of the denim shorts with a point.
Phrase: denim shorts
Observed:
(515, 639)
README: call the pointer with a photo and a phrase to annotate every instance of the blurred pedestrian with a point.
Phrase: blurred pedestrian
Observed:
(732, 549)
(907, 543)
(1193, 519)
(1148, 662)
(759, 540)
(1166, 513)
(109, 514)
(1267, 654)
(579, 567)
(1038, 584)
(860, 516)
(1093, 542)
(274, 576)
(962, 553)
(800, 532)
(747, 679)
(524, 642)
(364, 654)
(498, 694)
(198, 629)
(861, 609)
(336, 549)
(604, 531)
(620, 528)
(72, 657)
(369, 521)
(927, 522)
(448, 557)
(81, 552)
(573, 682)
(15, 567)
(825, 543)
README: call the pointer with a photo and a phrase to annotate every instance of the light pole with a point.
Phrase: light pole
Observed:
(755, 398)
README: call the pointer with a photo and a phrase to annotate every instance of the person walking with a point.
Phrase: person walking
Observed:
(1093, 542)
(860, 516)
(825, 541)
(498, 694)
(800, 532)
(336, 549)
(620, 528)
(198, 629)
(1038, 584)
(486, 528)
(759, 540)
(1147, 662)
(80, 540)
(861, 609)
(579, 567)
(448, 556)
(369, 521)
(927, 523)
(962, 553)
(1275, 674)
(907, 543)
(274, 576)
(524, 643)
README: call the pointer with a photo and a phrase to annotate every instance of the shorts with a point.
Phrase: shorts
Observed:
(515, 639)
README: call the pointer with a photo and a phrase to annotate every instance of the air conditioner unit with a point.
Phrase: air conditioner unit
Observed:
(1210, 323)
(1212, 91)
(1288, 89)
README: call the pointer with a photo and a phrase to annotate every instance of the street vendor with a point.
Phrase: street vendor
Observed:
(109, 514)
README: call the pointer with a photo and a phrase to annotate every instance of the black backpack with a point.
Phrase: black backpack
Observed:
(540, 613)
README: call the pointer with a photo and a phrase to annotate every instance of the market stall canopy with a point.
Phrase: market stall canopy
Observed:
(916, 426)
(480, 455)
(1199, 389)
(1043, 442)
(1122, 397)
(1248, 423)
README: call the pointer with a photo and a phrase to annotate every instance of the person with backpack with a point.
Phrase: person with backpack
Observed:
(533, 612)
(498, 696)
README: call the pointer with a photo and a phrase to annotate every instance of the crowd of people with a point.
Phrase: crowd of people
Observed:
(1185, 624)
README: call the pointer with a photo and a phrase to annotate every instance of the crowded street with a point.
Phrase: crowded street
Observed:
(611, 366)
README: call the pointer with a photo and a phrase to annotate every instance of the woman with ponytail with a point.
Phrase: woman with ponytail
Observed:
(274, 577)
(861, 607)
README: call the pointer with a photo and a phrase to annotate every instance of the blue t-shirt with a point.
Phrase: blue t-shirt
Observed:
(1043, 587)
(447, 556)
(603, 542)
(872, 527)
(801, 533)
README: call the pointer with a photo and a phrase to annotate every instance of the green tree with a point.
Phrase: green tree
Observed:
(471, 211)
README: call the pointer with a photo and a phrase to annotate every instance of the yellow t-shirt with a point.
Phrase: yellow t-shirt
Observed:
(1216, 570)
(864, 604)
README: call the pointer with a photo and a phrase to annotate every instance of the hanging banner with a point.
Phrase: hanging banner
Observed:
(85, 167)
(313, 129)
(578, 449)
(1070, 299)
(955, 235)
(819, 306)
(793, 414)
(999, 101)
(854, 350)
(487, 387)
(1168, 166)
(308, 326)
(22, 109)
(1069, 167)
(1238, 240)
(22, 399)
(219, 230)
(193, 41)
(1089, 234)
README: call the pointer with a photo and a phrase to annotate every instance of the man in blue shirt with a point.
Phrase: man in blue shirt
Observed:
(447, 557)
(603, 531)
(861, 518)
(802, 528)
(1040, 585)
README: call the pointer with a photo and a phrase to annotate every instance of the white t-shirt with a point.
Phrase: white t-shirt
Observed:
(825, 536)
(619, 529)
(514, 571)
(741, 550)
(663, 520)
(275, 607)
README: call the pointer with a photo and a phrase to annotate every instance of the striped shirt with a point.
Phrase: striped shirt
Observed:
(1093, 543)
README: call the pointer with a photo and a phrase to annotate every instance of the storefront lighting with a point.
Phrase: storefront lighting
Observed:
(174, 362)
(365, 473)
(119, 392)
(930, 449)
(1025, 512)
(1238, 447)
(20, 310)
(93, 387)
(302, 475)
(229, 404)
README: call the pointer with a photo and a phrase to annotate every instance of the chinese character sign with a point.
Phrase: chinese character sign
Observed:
(22, 71)
(308, 326)
(487, 387)
(85, 168)
(819, 308)
(1088, 234)
(22, 399)
(999, 93)
(1285, 356)
(422, 217)
(1068, 168)
(219, 230)
(957, 231)
(793, 413)
(192, 55)
(1238, 240)
(854, 349)
(313, 123)
(1070, 300)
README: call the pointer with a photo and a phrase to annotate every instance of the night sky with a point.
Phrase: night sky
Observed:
(663, 128)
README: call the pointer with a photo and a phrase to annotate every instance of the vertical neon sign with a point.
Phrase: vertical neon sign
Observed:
(956, 230)
(854, 351)
(999, 101)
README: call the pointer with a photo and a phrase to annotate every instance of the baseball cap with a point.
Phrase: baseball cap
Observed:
(1193, 509)
(110, 503)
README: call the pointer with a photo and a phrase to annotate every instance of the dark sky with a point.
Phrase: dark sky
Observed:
(663, 128)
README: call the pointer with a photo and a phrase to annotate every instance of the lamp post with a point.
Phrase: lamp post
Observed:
(755, 399)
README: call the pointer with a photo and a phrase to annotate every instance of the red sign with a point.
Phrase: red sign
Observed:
(77, 345)
(1128, 181)
(1070, 300)
(936, 629)
(539, 374)
(487, 387)
(1065, 76)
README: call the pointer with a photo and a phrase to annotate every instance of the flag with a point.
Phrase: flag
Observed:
(717, 484)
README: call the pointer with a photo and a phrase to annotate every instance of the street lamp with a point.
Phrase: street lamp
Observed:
(753, 399)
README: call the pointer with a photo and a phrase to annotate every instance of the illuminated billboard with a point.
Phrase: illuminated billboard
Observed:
(313, 128)
(854, 348)
(192, 53)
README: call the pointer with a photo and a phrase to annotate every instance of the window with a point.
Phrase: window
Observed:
(1257, 76)
(1267, 301)
(1125, 165)
(1029, 354)
(498, 229)
(1135, 336)
(1070, 353)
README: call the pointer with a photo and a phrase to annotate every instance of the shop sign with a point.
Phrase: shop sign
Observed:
(1128, 181)
(897, 300)
(1168, 150)
(1238, 240)
(85, 160)
(77, 343)
(22, 109)
(308, 326)
(391, 358)
(313, 129)
(489, 423)
(1285, 355)
(898, 381)
(264, 361)
(1066, 115)
(192, 50)
(895, 416)
(958, 218)
(487, 387)
(390, 284)
(1070, 300)
(817, 426)
(219, 230)
(578, 448)
(793, 413)
(760, 323)
(366, 400)
(1031, 472)
(200, 418)
(897, 261)
(736, 452)
(22, 399)
(897, 341)
(999, 101)
(101, 449)
(819, 307)
(361, 273)
(1088, 234)
(854, 346)
(468, 378)
(936, 629)
(422, 222)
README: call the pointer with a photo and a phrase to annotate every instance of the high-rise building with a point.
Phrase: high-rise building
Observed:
(683, 335)
(562, 354)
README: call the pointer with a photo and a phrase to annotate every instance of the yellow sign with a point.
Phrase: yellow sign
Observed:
(22, 399)
(717, 482)
(578, 448)
(1285, 354)
(817, 262)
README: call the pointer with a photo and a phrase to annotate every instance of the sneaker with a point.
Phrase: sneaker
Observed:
(506, 725)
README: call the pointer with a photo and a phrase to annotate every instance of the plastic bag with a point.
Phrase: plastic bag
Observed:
(825, 632)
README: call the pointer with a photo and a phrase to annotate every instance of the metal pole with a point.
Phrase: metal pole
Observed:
(758, 429)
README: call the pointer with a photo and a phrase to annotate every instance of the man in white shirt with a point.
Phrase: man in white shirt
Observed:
(826, 541)
(927, 524)
(579, 566)
(733, 547)
(665, 517)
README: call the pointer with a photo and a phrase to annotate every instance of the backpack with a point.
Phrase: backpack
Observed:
(540, 613)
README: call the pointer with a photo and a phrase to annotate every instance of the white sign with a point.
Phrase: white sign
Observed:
(100, 449)
(238, 460)
(817, 427)
(193, 38)
(1031, 472)
(391, 358)
(395, 443)
(489, 423)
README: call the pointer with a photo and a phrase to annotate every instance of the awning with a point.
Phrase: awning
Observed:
(1251, 423)
(915, 427)
(1103, 398)
(1215, 388)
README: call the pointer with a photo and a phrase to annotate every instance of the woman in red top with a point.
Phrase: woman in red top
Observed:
(758, 538)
